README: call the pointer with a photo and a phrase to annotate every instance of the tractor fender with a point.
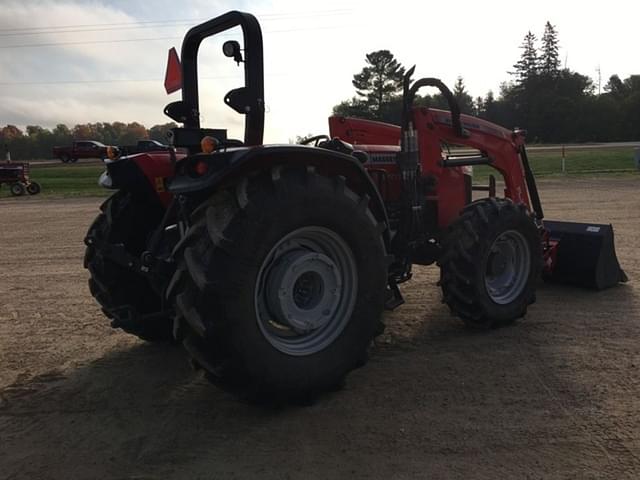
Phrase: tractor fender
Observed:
(142, 174)
(231, 165)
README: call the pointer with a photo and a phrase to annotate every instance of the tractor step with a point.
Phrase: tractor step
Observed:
(393, 297)
(127, 317)
(584, 255)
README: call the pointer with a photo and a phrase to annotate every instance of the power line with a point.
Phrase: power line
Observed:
(125, 80)
(87, 42)
(153, 23)
(66, 82)
(91, 42)
(90, 30)
(54, 27)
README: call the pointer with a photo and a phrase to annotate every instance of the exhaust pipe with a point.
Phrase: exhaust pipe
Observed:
(582, 254)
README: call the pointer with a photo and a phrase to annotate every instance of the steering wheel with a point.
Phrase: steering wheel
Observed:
(315, 140)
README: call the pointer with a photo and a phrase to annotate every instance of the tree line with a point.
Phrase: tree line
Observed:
(553, 103)
(38, 142)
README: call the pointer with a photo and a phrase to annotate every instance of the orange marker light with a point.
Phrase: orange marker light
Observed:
(208, 144)
(113, 152)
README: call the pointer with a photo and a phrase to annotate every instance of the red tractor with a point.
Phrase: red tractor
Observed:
(273, 264)
(16, 175)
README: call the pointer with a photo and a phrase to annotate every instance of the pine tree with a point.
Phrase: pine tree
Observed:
(549, 56)
(527, 66)
(380, 80)
(465, 101)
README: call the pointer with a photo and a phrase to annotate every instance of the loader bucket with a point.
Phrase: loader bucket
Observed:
(585, 255)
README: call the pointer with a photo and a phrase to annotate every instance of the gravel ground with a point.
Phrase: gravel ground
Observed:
(554, 396)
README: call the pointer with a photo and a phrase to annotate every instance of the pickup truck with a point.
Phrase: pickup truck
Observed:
(81, 149)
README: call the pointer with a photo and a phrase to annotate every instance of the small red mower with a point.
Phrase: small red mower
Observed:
(17, 176)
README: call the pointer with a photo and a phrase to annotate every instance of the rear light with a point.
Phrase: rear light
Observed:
(201, 168)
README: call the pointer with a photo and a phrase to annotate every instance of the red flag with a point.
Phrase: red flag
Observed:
(173, 75)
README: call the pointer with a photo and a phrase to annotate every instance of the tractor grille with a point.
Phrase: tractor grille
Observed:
(382, 158)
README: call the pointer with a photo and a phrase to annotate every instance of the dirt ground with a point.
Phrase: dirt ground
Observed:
(555, 396)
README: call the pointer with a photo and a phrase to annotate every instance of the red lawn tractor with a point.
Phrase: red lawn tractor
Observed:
(272, 264)
(16, 175)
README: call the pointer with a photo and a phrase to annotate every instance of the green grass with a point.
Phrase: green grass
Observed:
(65, 181)
(589, 161)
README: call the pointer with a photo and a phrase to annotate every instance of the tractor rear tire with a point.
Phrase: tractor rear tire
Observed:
(491, 261)
(280, 284)
(33, 188)
(18, 189)
(125, 296)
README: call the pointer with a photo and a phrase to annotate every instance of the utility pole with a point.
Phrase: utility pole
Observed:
(599, 78)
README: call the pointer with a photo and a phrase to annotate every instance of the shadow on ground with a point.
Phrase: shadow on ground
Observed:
(447, 403)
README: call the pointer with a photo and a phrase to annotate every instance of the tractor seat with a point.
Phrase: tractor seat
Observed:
(337, 145)
(341, 146)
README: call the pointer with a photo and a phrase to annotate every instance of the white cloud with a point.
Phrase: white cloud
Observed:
(310, 56)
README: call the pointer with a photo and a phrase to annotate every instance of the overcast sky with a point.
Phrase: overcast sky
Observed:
(88, 61)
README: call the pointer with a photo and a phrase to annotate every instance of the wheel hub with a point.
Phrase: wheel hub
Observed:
(306, 290)
(507, 267)
(303, 290)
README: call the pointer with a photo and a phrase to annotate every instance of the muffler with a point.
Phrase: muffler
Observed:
(582, 254)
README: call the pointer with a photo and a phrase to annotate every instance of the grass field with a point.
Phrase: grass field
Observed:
(66, 180)
(82, 180)
(604, 161)
(582, 161)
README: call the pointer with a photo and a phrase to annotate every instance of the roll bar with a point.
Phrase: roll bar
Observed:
(248, 100)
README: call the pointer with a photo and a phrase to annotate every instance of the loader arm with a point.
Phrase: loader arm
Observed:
(500, 150)
(499, 147)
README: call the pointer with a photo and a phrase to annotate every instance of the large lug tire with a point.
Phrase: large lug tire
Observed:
(18, 189)
(491, 261)
(125, 296)
(280, 284)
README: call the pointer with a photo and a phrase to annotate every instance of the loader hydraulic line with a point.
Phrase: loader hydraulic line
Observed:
(410, 94)
(531, 184)
(408, 158)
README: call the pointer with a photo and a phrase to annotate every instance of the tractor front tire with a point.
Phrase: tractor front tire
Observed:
(125, 296)
(280, 284)
(491, 261)
(18, 189)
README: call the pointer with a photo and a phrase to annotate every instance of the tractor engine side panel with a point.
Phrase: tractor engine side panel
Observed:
(364, 132)
(447, 190)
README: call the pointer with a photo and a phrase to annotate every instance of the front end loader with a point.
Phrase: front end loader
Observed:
(272, 264)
